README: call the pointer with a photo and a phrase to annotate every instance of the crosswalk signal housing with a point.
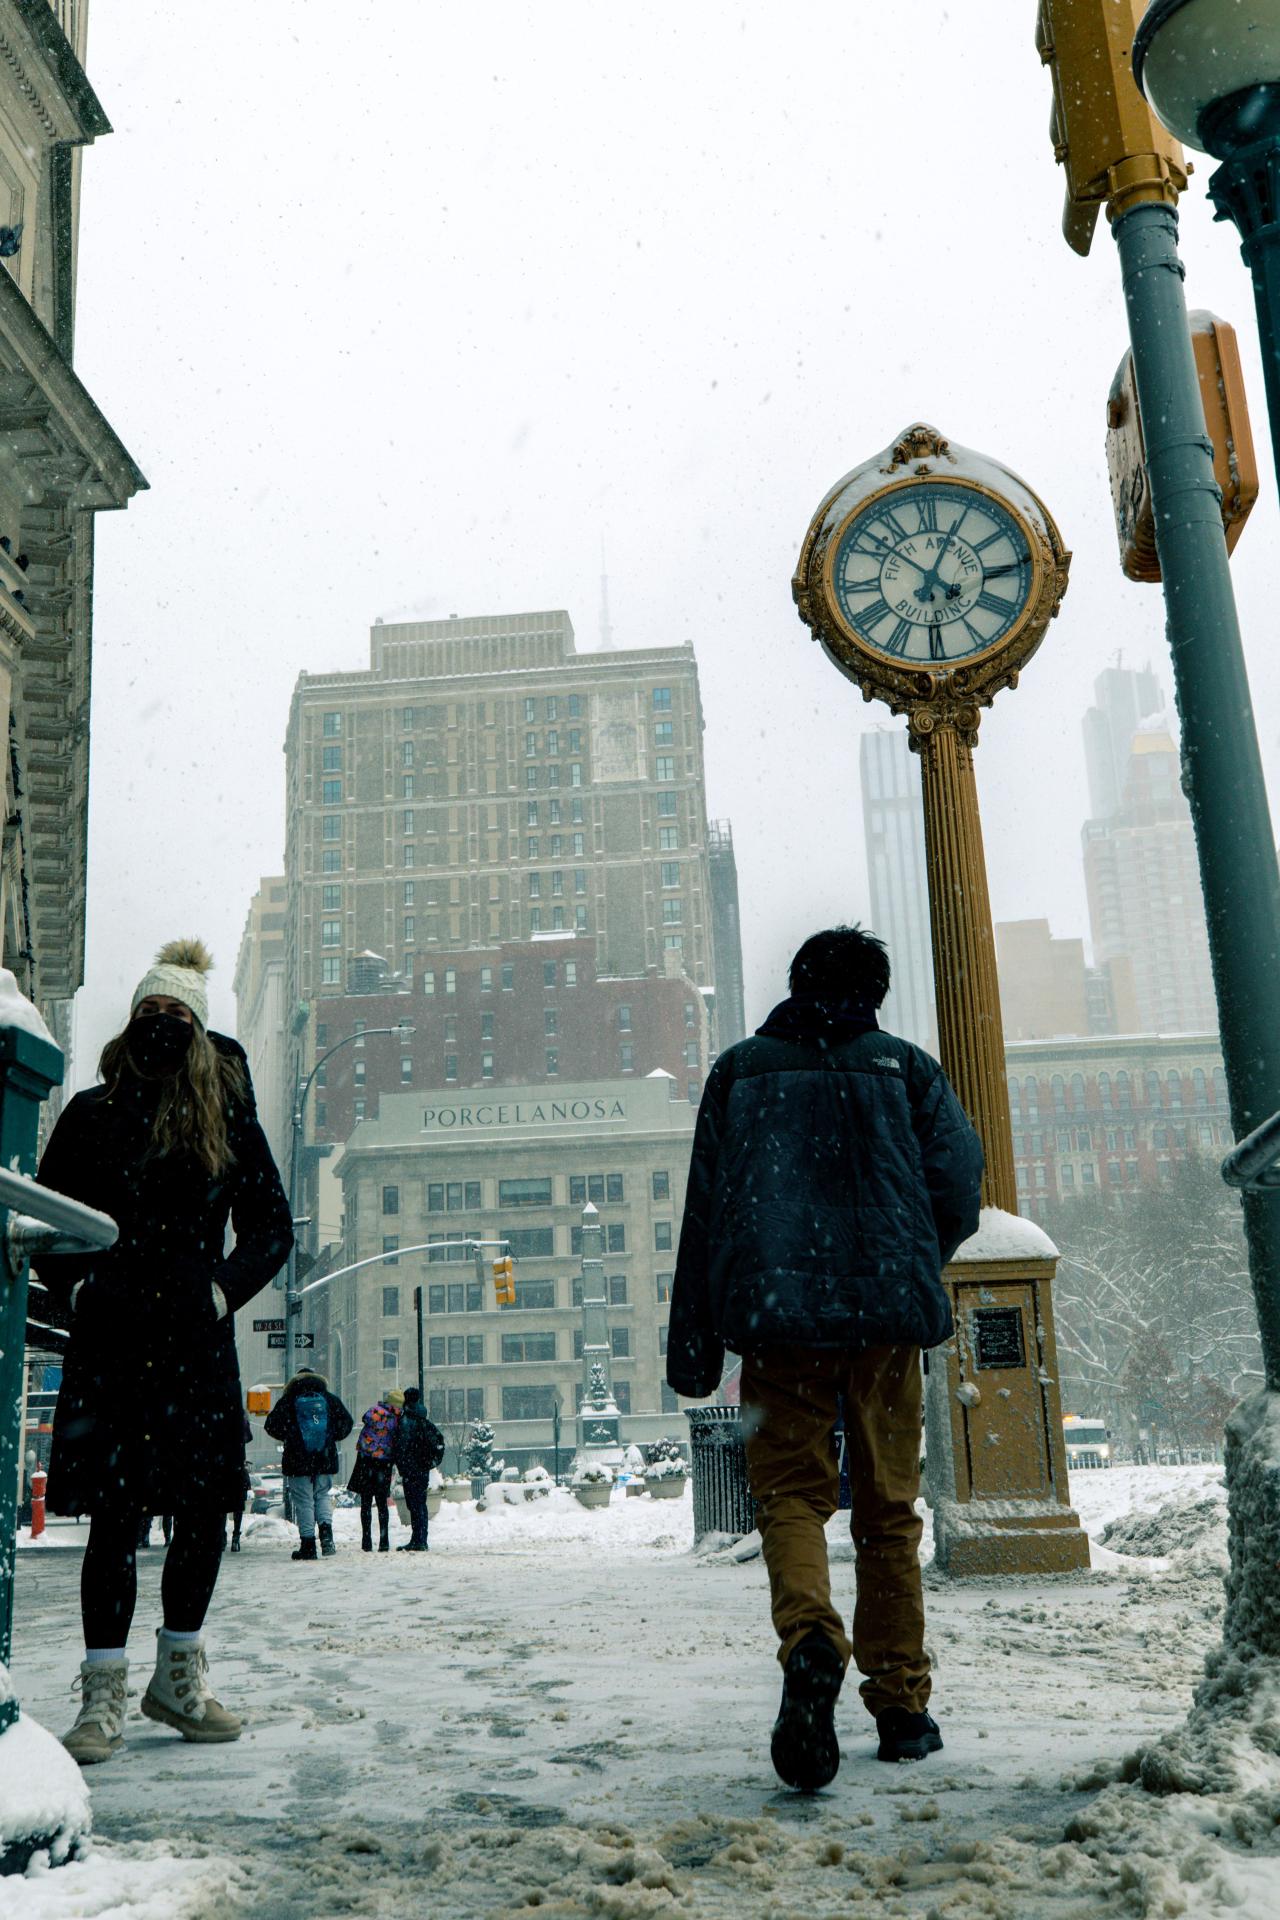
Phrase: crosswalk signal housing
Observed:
(504, 1281)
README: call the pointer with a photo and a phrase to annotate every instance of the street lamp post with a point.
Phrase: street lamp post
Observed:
(301, 1090)
(1211, 71)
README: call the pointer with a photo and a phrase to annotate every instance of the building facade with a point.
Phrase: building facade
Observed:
(60, 463)
(262, 1031)
(726, 929)
(516, 1164)
(1112, 1113)
(893, 824)
(482, 782)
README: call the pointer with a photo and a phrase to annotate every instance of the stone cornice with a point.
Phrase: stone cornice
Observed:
(70, 445)
(46, 74)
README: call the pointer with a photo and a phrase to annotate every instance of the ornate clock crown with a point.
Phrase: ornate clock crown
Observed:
(919, 442)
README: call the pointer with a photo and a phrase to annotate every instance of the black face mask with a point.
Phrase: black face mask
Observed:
(159, 1042)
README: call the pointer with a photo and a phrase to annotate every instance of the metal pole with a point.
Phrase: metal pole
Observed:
(1246, 190)
(422, 1372)
(292, 1304)
(1221, 765)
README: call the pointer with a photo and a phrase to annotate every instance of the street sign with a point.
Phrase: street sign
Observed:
(299, 1340)
(268, 1326)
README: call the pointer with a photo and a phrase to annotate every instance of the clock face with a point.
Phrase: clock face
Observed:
(931, 573)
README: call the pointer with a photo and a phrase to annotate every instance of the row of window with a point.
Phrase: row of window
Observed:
(1086, 1139)
(532, 1296)
(1117, 1095)
(454, 1406)
(462, 1196)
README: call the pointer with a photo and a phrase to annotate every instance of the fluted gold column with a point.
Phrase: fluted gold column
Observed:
(970, 1033)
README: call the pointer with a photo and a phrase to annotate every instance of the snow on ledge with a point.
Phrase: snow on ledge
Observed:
(1005, 1236)
(17, 1011)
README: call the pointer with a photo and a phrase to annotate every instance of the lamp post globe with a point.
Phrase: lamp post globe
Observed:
(1211, 70)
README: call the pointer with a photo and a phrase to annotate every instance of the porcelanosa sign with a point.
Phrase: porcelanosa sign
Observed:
(522, 1113)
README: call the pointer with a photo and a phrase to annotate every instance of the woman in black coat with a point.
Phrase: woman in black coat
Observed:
(150, 1414)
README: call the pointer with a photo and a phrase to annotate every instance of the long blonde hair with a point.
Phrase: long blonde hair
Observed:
(194, 1101)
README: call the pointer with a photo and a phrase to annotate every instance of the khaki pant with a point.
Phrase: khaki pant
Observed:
(789, 1416)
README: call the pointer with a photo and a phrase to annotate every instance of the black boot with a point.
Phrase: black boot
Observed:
(384, 1536)
(805, 1750)
(325, 1530)
(907, 1736)
(306, 1548)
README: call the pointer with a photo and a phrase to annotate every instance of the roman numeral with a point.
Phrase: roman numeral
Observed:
(898, 530)
(980, 546)
(877, 611)
(928, 514)
(897, 641)
(990, 604)
(937, 651)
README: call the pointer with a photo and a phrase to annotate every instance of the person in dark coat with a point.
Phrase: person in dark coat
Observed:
(149, 1414)
(833, 1176)
(371, 1475)
(310, 1421)
(419, 1446)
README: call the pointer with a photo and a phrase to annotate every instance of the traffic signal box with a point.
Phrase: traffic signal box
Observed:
(1226, 417)
(258, 1400)
(504, 1281)
(1115, 151)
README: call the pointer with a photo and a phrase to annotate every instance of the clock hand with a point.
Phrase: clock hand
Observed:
(931, 578)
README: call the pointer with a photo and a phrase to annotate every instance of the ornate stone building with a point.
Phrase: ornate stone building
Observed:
(60, 463)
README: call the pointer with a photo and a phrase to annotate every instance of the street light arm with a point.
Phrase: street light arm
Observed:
(397, 1253)
(404, 1028)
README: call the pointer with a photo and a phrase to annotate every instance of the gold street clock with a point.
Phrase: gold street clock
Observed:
(930, 572)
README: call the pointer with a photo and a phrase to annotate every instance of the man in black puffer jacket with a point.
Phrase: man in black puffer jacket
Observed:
(833, 1176)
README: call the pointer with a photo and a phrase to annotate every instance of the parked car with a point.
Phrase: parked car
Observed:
(266, 1490)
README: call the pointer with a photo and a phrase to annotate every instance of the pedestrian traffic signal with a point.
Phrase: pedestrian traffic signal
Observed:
(1114, 149)
(504, 1281)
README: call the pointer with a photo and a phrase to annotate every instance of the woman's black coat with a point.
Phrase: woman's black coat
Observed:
(282, 1424)
(149, 1414)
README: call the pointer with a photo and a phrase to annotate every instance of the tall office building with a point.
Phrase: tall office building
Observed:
(731, 1013)
(482, 782)
(1146, 912)
(893, 823)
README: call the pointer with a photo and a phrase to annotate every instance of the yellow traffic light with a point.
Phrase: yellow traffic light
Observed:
(504, 1281)
(1115, 151)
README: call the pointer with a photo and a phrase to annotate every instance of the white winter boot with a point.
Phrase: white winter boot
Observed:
(178, 1694)
(103, 1686)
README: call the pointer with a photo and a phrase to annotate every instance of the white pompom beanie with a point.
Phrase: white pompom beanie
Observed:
(179, 974)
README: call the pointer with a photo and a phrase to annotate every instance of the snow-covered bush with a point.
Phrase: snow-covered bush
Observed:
(538, 1482)
(479, 1452)
(664, 1460)
(592, 1474)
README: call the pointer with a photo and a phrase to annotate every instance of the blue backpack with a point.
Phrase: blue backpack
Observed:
(312, 1413)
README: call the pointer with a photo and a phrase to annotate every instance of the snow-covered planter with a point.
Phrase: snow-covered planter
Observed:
(634, 1486)
(457, 1489)
(44, 1802)
(537, 1483)
(592, 1485)
(665, 1470)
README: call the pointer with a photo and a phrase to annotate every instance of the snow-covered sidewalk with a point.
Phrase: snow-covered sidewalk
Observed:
(569, 1712)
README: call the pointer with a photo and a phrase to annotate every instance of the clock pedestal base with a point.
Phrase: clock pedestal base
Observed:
(996, 1462)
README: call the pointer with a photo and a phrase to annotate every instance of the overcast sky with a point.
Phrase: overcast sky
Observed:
(403, 309)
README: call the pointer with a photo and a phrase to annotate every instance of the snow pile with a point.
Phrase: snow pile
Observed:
(17, 1011)
(1180, 1528)
(138, 1882)
(44, 1803)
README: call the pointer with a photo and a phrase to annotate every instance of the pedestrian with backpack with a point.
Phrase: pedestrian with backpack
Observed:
(419, 1446)
(310, 1421)
(371, 1475)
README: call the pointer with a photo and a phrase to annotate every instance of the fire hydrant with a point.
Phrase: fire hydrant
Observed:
(38, 1479)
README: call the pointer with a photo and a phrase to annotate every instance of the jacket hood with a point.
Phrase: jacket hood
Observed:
(307, 1383)
(826, 1022)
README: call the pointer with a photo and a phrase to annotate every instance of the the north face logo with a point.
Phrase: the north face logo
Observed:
(885, 1060)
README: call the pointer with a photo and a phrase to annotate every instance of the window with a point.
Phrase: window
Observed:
(575, 773)
(531, 853)
(408, 718)
(668, 840)
(617, 1289)
(616, 1239)
(409, 925)
(613, 1189)
(391, 1354)
(391, 1199)
(557, 884)
(622, 1395)
(535, 919)
(429, 981)
(664, 1283)
(1068, 1176)
(662, 1236)
(390, 1241)
(435, 1300)
(456, 1350)
(662, 699)
(553, 740)
(530, 709)
(620, 1341)
(670, 870)
(577, 1190)
(553, 811)
(579, 845)
(524, 1193)
(571, 973)
(663, 733)
(407, 899)
(435, 1345)
(406, 820)
(330, 860)
(673, 942)
(451, 1066)
(552, 707)
(406, 753)
(530, 1243)
(331, 827)
(553, 776)
(331, 725)
(664, 766)
(666, 805)
(528, 1403)
(624, 1019)
(535, 1294)
(577, 1343)
(530, 743)
(406, 1070)
(331, 933)
(661, 1184)
(450, 980)
(508, 979)
(550, 1020)
(523, 1347)
(531, 776)
(330, 975)
(579, 880)
(331, 760)
(672, 913)
(626, 1057)
(331, 793)
(390, 1303)
(358, 1109)
(408, 855)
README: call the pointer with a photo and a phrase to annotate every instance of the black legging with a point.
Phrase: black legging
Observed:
(109, 1575)
(374, 1496)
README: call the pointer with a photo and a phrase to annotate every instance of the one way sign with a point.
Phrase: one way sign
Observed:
(299, 1340)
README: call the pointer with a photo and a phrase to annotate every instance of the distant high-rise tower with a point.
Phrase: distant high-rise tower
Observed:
(893, 822)
(1146, 912)
(726, 934)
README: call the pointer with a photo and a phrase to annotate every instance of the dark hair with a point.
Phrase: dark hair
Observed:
(411, 1396)
(842, 963)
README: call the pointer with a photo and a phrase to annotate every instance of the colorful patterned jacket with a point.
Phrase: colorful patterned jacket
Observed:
(378, 1433)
